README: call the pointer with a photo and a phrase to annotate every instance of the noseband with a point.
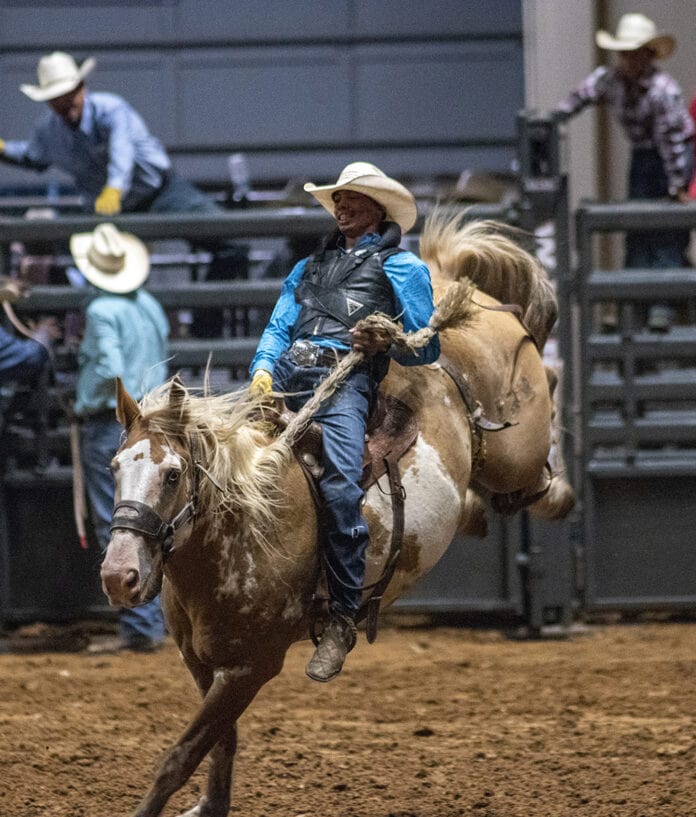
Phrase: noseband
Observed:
(141, 518)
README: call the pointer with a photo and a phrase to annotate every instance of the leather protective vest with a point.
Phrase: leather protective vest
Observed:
(338, 289)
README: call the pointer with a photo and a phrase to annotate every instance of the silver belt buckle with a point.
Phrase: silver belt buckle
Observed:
(304, 353)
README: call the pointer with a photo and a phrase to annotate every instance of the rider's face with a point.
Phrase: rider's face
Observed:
(356, 214)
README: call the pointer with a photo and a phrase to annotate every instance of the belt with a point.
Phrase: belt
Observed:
(306, 354)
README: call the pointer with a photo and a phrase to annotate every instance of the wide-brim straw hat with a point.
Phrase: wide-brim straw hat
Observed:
(363, 177)
(58, 74)
(111, 260)
(637, 31)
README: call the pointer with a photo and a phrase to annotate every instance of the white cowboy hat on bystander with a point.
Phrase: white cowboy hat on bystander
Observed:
(637, 31)
(58, 74)
(111, 260)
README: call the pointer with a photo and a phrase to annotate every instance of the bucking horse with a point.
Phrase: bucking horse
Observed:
(215, 506)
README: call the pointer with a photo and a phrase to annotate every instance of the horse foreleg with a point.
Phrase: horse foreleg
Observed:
(217, 798)
(213, 726)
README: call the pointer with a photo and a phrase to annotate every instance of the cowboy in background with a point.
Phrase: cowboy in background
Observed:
(23, 359)
(102, 143)
(117, 165)
(125, 336)
(358, 270)
(649, 105)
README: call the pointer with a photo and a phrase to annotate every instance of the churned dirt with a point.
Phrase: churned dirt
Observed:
(427, 722)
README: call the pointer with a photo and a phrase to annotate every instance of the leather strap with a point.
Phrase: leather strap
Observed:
(472, 406)
(370, 610)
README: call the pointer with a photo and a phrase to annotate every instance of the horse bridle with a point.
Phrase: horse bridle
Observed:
(144, 519)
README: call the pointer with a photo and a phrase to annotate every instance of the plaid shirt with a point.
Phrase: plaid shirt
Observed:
(651, 110)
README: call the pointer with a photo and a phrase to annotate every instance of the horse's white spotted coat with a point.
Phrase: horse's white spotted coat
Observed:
(230, 673)
(139, 475)
(433, 506)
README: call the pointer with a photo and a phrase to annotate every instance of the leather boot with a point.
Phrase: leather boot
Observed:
(337, 640)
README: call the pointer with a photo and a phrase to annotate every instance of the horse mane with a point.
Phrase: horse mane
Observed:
(489, 254)
(242, 467)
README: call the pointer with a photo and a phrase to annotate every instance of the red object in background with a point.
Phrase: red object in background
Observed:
(692, 186)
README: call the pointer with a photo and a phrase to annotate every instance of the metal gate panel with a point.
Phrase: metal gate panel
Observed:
(475, 575)
(636, 420)
(641, 533)
(46, 575)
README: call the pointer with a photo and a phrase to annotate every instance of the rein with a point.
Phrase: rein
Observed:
(141, 518)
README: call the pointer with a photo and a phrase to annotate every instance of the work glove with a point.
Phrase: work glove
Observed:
(11, 289)
(2, 146)
(108, 202)
(261, 383)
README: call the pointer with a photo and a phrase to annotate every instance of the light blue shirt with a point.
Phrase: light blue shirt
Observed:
(410, 280)
(111, 147)
(125, 336)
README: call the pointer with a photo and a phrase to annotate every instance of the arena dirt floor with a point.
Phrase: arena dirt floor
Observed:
(427, 722)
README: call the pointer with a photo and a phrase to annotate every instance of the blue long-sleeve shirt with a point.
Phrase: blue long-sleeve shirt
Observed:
(125, 336)
(410, 279)
(20, 359)
(111, 147)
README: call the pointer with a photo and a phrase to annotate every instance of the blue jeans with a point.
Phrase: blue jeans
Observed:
(100, 438)
(650, 249)
(343, 418)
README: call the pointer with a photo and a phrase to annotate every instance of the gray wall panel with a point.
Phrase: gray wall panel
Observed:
(442, 18)
(54, 25)
(262, 97)
(419, 88)
(431, 92)
(261, 20)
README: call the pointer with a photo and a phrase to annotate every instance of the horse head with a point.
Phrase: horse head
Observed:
(155, 477)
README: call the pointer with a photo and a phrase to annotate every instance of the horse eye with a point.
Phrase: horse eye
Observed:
(173, 476)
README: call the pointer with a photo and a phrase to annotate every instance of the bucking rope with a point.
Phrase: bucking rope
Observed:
(455, 307)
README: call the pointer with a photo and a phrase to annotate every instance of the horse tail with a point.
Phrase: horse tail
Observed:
(490, 255)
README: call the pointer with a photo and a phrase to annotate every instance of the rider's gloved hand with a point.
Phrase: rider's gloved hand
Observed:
(261, 383)
(2, 146)
(108, 202)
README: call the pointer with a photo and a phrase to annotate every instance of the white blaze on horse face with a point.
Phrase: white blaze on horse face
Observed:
(432, 510)
(139, 474)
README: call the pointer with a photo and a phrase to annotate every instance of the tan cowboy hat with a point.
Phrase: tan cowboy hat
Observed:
(398, 202)
(58, 74)
(114, 261)
(636, 31)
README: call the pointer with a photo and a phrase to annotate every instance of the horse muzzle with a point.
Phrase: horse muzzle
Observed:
(123, 580)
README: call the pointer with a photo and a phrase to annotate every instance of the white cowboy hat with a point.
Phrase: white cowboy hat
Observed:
(636, 31)
(398, 202)
(58, 74)
(114, 261)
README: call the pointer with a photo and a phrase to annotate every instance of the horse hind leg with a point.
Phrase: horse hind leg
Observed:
(559, 499)
(552, 498)
(473, 521)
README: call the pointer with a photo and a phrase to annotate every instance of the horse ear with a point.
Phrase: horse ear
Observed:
(178, 396)
(127, 410)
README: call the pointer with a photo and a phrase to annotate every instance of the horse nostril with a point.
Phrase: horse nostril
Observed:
(131, 579)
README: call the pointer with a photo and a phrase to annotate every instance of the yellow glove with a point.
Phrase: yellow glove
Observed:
(108, 202)
(2, 146)
(261, 383)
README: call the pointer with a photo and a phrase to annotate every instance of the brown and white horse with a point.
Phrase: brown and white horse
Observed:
(217, 515)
